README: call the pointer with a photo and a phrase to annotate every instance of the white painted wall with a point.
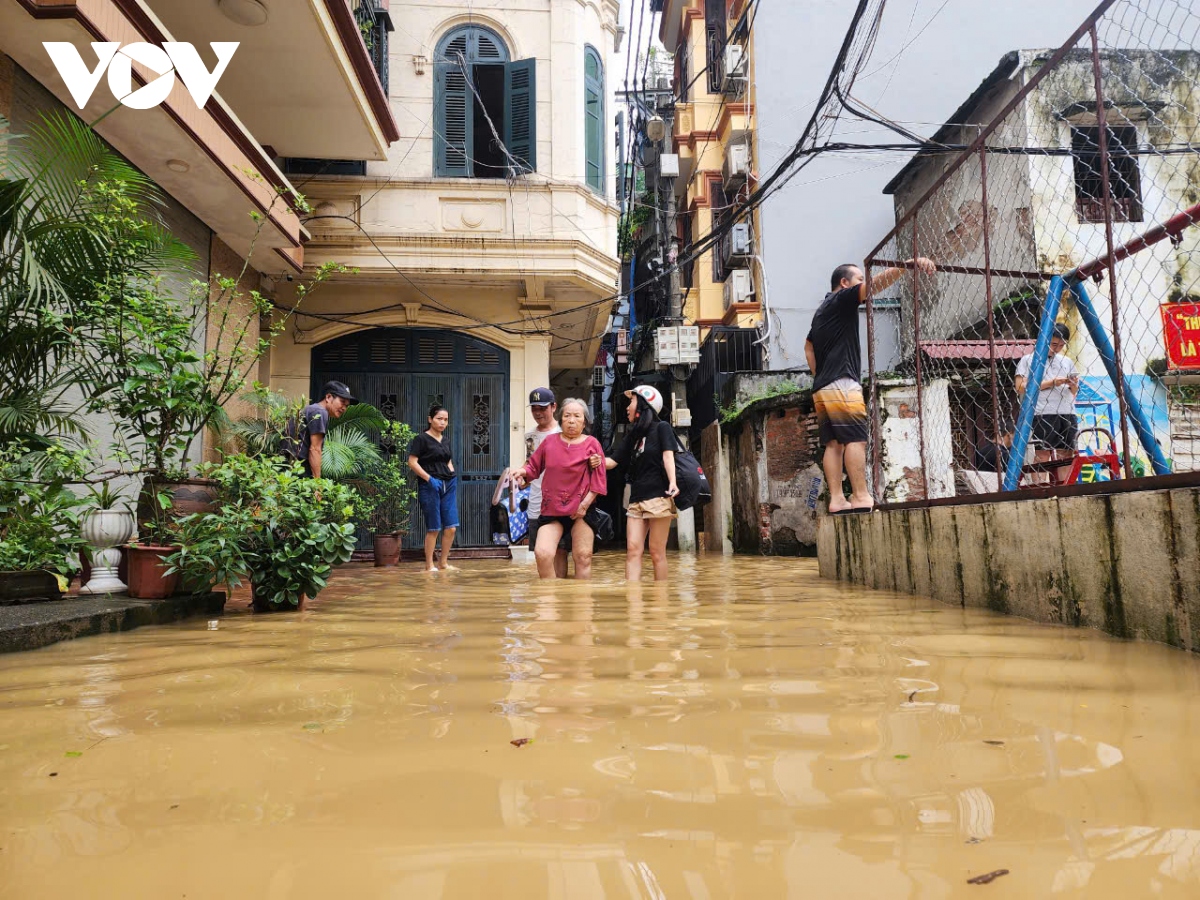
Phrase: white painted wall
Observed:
(552, 31)
(834, 211)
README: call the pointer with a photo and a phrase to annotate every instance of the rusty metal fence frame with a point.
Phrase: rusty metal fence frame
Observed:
(1103, 267)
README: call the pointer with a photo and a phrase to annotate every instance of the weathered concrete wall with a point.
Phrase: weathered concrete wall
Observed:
(1128, 564)
(774, 479)
(901, 430)
(718, 513)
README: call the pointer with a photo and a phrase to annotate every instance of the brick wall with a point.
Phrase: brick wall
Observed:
(791, 443)
(775, 477)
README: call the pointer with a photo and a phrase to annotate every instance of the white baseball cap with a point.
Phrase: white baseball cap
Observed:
(649, 394)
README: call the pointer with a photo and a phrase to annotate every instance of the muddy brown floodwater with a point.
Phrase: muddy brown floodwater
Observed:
(751, 731)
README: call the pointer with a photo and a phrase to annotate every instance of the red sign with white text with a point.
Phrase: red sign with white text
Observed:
(1181, 334)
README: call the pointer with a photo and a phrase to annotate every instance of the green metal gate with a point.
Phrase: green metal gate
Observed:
(403, 371)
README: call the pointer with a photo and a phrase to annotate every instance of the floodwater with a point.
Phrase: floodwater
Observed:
(751, 731)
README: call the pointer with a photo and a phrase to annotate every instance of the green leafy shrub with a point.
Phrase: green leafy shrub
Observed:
(387, 486)
(272, 525)
(39, 515)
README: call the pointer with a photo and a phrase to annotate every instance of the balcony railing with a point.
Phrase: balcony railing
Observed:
(374, 23)
(726, 352)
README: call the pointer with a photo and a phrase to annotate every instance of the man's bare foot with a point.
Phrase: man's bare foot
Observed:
(861, 504)
(835, 507)
(446, 567)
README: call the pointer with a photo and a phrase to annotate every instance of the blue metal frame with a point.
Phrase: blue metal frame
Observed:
(1041, 353)
(1141, 422)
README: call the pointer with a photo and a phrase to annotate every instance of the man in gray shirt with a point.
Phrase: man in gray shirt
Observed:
(1055, 424)
(305, 437)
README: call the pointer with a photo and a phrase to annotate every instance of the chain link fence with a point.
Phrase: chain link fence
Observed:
(1059, 341)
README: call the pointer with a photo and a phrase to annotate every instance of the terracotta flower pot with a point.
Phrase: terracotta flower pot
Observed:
(194, 495)
(147, 572)
(387, 549)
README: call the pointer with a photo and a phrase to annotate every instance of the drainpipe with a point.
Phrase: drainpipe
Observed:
(621, 162)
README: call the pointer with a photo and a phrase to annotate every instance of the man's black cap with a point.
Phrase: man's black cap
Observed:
(338, 390)
(541, 397)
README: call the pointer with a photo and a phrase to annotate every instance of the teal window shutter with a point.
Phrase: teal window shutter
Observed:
(520, 123)
(593, 105)
(452, 121)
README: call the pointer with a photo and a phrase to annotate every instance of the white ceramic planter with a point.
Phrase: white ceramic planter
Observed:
(105, 530)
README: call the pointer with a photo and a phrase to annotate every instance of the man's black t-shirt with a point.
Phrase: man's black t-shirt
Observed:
(432, 454)
(646, 476)
(834, 336)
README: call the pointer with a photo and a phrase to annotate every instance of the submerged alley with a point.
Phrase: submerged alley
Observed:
(749, 730)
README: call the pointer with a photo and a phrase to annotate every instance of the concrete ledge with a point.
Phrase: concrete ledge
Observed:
(1125, 563)
(31, 625)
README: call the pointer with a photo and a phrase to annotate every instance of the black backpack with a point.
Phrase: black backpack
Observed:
(690, 478)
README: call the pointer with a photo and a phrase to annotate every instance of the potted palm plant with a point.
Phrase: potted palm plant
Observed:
(71, 211)
(349, 449)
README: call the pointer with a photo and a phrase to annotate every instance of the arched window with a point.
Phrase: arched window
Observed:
(485, 107)
(593, 105)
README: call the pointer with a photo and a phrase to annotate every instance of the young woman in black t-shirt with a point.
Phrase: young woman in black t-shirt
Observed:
(648, 451)
(430, 459)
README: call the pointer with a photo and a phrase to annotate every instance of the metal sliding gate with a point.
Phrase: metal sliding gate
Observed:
(403, 371)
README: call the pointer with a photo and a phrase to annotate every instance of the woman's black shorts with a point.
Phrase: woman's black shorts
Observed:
(1057, 432)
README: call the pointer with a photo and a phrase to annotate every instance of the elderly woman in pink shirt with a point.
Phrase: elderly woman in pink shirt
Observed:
(570, 485)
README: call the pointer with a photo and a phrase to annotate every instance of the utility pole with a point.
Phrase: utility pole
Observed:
(681, 417)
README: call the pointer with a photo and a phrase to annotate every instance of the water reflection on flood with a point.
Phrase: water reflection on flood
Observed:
(750, 732)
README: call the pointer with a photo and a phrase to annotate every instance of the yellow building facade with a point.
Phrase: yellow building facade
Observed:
(715, 137)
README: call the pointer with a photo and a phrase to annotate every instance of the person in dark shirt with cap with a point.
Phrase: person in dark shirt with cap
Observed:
(834, 357)
(306, 435)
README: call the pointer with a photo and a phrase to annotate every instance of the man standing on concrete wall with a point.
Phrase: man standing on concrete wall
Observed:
(834, 357)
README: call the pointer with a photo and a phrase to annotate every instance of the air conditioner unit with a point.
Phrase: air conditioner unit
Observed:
(739, 287)
(736, 169)
(598, 373)
(736, 245)
(735, 69)
(664, 82)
